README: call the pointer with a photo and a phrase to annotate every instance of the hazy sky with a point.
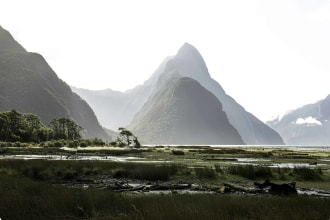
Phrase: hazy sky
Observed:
(269, 55)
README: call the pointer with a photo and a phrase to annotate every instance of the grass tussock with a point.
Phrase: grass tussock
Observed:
(250, 172)
(305, 173)
(205, 173)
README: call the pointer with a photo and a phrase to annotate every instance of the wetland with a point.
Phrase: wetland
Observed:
(126, 183)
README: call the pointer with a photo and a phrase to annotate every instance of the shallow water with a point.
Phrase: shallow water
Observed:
(70, 157)
(313, 192)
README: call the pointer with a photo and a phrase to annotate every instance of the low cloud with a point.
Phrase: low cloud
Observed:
(309, 121)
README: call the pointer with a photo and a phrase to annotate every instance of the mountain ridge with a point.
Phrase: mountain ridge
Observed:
(306, 125)
(29, 84)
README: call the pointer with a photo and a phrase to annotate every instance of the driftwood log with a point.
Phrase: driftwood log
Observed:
(237, 188)
(278, 189)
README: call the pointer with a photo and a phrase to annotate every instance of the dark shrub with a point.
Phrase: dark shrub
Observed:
(205, 173)
(177, 152)
(244, 171)
(218, 169)
(83, 144)
(113, 143)
(58, 143)
(262, 172)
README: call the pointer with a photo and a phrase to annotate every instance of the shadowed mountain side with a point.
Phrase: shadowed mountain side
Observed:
(28, 84)
(183, 112)
(308, 125)
(189, 63)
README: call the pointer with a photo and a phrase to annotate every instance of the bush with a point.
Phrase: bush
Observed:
(97, 142)
(177, 152)
(205, 173)
(17, 144)
(58, 143)
(3, 150)
(83, 144)
(263, 172)
(73, 144)
(3, 144)
(250, 171)
(218, 169)
(113, 143)
(306, 173)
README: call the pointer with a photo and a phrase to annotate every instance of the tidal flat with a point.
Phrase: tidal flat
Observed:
(163, 182)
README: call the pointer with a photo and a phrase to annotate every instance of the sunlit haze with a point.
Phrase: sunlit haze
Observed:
(270, 56)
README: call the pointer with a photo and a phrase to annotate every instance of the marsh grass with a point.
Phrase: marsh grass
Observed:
(305, 173)
(250, 172)
(205, 173)
(219, 169)
(147, 172)
(23, 198)
(68, 170)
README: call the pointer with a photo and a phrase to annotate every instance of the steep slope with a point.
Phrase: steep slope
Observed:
(28, 84)
(188, 62)
(184, 112)
(308, 125)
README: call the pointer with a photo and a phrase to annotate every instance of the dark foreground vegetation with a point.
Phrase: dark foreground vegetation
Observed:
(22, 198)
(27, 191)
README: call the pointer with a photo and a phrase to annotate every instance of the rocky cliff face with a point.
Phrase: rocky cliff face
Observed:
(308, 125)
(28, 84)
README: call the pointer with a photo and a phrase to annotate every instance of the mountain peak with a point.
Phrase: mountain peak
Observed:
(8, 43)
(188, 51)
(189, 62)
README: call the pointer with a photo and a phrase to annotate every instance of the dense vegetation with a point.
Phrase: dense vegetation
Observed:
(27, 127)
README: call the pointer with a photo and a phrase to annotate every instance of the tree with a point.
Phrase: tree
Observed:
(127, 137)
(136, 142)
(26, 127)
(65, 129)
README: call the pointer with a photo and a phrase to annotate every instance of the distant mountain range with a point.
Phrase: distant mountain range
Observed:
(308, 125)
(28, 84)
(180, 103)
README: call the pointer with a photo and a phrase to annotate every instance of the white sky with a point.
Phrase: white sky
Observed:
(270, 55)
